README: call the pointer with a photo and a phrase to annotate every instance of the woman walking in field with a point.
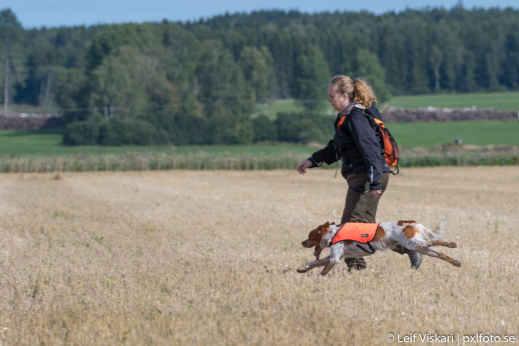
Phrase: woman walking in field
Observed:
(359, 146)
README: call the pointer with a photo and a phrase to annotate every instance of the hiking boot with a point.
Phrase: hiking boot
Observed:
(414, 257)
(357, 263)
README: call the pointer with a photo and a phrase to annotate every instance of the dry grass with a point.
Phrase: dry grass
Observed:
(209, 258)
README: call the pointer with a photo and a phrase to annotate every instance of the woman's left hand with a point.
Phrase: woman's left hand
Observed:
(303, 166)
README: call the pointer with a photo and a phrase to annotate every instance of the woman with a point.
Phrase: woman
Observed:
(358, 144)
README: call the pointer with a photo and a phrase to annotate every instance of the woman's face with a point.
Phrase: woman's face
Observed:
(337, 100)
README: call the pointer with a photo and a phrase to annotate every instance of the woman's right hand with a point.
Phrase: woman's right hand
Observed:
(303, 166)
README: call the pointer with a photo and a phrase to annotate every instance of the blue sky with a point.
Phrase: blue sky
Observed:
(34, 13)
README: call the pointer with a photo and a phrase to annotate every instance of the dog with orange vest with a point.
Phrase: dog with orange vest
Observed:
(364, 239)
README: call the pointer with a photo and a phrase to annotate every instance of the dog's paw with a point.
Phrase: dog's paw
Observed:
(415, 258)
(303, 269)
(456, 263)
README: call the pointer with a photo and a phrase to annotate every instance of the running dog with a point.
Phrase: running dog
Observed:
(359, 239)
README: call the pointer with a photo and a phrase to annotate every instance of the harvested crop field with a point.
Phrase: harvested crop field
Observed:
(209, 258)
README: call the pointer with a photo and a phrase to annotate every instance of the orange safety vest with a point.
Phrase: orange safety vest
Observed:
(356, 231)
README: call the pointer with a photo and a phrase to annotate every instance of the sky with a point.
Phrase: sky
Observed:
(50, 13)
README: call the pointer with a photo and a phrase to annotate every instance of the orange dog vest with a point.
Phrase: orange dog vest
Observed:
(356, 231)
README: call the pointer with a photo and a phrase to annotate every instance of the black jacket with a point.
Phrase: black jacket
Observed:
(358, 144)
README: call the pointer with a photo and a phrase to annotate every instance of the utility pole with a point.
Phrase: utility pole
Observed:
(6, 84)
(46, 99)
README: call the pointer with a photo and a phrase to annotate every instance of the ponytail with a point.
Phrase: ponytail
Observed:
(363, 93)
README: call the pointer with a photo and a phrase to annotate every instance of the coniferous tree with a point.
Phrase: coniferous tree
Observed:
(257, 69)
(11, 42)
(313, 75)
(368, 67)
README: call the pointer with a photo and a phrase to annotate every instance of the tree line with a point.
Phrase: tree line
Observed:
(199, 81)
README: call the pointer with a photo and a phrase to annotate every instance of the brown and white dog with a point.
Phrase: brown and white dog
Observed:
(409, 235)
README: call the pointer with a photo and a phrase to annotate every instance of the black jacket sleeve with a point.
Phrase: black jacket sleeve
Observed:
(327, 154)
(369, 146)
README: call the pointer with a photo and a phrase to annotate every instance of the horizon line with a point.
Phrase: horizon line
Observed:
(255, 11)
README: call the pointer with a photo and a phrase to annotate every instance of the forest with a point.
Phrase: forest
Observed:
(199, 82)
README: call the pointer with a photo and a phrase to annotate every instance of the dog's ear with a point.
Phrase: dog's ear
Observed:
(316, 233)
(317, 251)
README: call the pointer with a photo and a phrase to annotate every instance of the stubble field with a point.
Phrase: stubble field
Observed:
(209, 258)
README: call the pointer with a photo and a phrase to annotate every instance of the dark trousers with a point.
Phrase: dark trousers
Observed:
(360, 205)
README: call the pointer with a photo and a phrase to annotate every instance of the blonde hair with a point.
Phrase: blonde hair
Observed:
(358, 90)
